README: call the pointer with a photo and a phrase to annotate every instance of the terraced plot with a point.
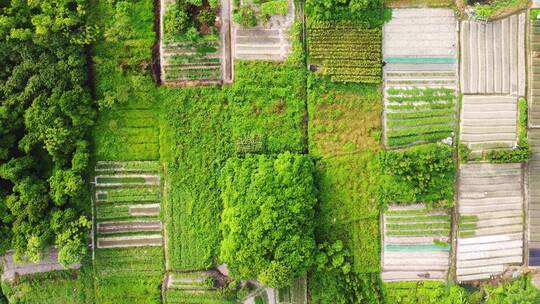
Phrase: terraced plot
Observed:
(127, 200)
(12, 269)
(419, 115)
(194, 287)
(190, 62)
(534, 72)
(128, 254)
(346, 51)
(489, 122)
(534, 198)
(416, 243)
(493, 56)
(269, 41)
(490, 206)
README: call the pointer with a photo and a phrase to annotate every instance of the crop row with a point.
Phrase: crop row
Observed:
(418, 232)
(430, 129)
(356, 78)
(419, 218)
(417, 138)
(411, 106)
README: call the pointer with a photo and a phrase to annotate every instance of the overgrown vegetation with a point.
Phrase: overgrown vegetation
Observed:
(261, 112)
(498, 8)
(420, 174)
(369, 11)
(128, 273)
(423, 292)
(344, 132)
(45, 113)
(65, 286)
(267, 219)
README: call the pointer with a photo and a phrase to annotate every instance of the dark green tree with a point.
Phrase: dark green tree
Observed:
(267, 221)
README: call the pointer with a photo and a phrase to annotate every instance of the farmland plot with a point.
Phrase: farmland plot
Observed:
(490, 206)
(127, 204)
(268, 40)
(534, 72)
(416, 243)
(128, 253)
(194, 287)
(493, 56)
(420, 76)
(534, 198)
(489, 122)
(346, 51)
(192, 61)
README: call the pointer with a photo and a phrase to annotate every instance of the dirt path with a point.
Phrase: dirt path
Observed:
(227, 64)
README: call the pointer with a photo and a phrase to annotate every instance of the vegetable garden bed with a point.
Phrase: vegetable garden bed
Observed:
(346, 51)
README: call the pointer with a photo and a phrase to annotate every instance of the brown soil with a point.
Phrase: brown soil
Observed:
(129, 226)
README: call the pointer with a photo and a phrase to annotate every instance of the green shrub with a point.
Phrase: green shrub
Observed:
(534, 13)
(275, 7)
(175, 21)
(419, 174)
(245, 16)
(267, 220)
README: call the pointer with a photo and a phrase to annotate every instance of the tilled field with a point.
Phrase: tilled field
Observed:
(268, 41)
(423, 32)
(127, 204)
(534, 73)
(534, 198)
(416, 244)
(493, 56)
(491, 220)
(488, 122)
(420, 76)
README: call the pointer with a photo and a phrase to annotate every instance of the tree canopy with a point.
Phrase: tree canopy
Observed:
(45, 113)
(267, 221)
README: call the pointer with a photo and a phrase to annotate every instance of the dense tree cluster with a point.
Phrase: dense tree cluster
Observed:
(45, 113)
(267, 221)
(372, 12)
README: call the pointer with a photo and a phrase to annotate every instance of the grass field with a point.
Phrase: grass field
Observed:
(129, 275)
(344, 132)
(343, 118)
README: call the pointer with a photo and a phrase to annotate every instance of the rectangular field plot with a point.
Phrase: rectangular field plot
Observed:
(416, 243)
(534, 73)
(419, 115)
(420, 32)
(266, 41)
(534, 198)
(488, 122)
(195, 287)
(490, 205)
(420, 76)
(131, 275)
(128, 232)
(346, 51)
(187, 60)
(493, 56)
